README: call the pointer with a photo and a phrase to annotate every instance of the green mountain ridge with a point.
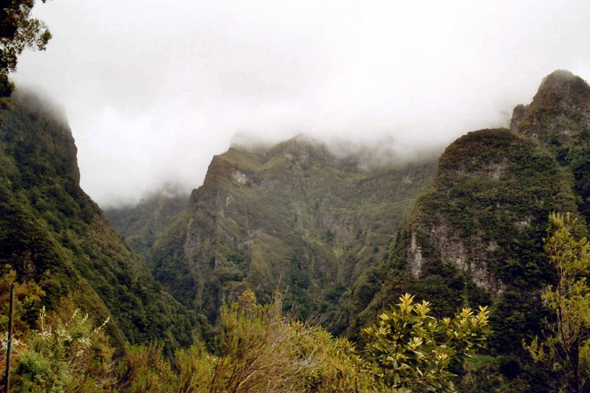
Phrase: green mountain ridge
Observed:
(53, 233)
(476, 234)
(295, 218)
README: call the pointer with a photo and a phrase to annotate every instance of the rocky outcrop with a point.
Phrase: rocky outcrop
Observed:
(559, 113)
(491, 196)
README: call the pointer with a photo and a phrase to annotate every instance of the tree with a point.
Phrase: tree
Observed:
(566, 348)
(18, 30)
(412, 351)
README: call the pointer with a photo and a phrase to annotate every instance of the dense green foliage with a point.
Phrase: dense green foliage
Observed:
(52, 232)
(259, 350)
(412, 350)
(566, 345)
(62, 356)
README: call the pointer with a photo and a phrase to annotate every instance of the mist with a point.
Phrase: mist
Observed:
(152, 90)
(40, 102)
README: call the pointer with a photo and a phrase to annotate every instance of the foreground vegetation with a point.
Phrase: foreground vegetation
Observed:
(565, 348)
(259, 349)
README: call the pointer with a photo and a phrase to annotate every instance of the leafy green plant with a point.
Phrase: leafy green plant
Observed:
(566, 347)
(412, 351)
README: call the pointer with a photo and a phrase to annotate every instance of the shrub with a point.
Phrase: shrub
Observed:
(412, 351)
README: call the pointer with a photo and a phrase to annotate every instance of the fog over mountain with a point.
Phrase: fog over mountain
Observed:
(153, 90)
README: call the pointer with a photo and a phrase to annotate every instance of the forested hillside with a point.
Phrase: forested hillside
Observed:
(313, 236)
(53, 233)
(294, 218)
(475, 235)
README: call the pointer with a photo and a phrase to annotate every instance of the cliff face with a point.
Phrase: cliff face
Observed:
(486, 211)
(52, 232)
(294, 217)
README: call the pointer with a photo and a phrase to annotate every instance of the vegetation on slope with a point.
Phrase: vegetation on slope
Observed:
(143, 225)
(293, 217)
(475, 236)
(52, 232)
(330, 235)
(565, 347)
(559, 120)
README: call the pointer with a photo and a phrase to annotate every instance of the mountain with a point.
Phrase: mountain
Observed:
(486, 211)
(558, 119)
(294, 217)
(343, 239)
(53, 233)
(143, 224)
(475, 234)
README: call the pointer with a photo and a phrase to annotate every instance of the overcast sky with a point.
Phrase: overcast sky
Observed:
(153, 89)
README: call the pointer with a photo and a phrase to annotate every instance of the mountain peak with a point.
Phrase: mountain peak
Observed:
(562, 88)
(562, 78)
(559, 112)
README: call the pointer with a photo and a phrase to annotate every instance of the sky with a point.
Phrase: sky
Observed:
(153, 89)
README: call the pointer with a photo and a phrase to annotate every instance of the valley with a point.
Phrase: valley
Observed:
(340, 239)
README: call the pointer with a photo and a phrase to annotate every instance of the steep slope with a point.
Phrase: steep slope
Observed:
(142, 225)
(294, 217)
(477, 231)
(475, 235)
(52, 232)
(558, 119)
(487, 209)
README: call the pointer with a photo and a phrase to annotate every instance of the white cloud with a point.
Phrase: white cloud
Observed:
(154, 88)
